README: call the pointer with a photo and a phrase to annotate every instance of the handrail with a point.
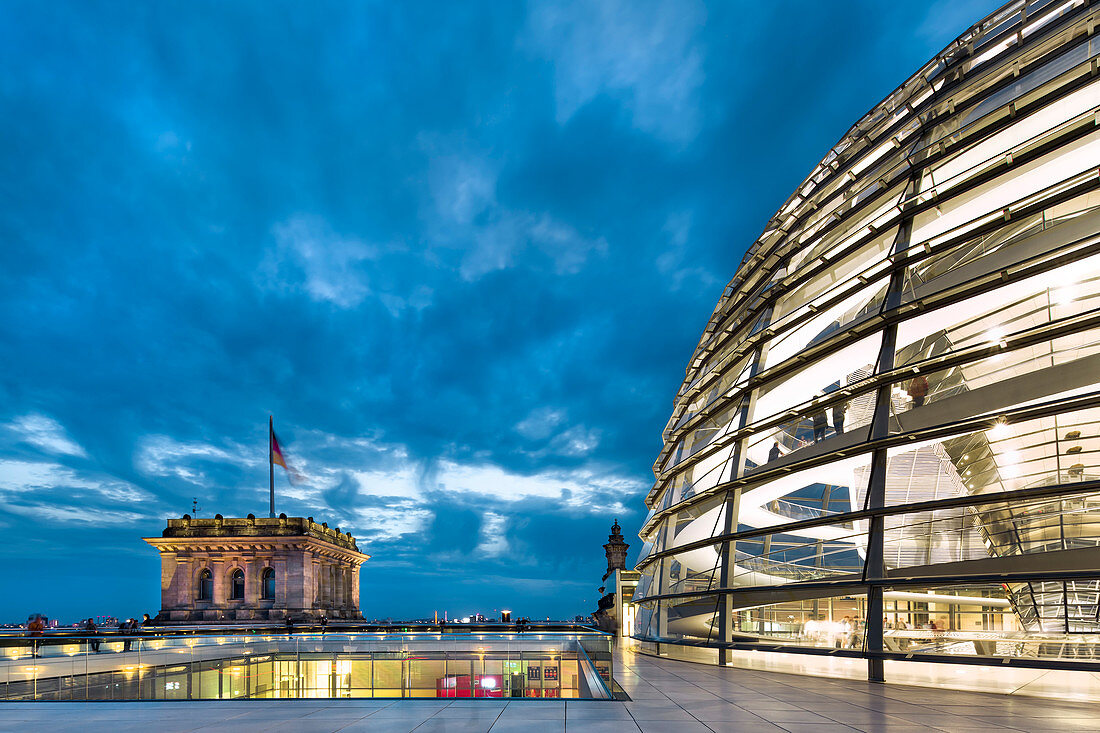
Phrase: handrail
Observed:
(594, 673)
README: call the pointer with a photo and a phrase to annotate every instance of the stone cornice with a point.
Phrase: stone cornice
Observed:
(253, 545)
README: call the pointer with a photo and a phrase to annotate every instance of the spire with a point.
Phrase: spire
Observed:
(615, 549)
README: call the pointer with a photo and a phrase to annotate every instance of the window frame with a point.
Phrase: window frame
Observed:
(235, 575)
(205, 591)
(267, 593)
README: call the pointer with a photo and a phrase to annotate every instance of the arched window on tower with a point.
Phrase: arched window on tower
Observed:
(267, 587)
(237, 585)
(206, 585)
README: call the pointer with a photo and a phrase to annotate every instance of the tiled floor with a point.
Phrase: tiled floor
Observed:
(679, 697)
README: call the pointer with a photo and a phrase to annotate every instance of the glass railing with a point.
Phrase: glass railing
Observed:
(333, 665)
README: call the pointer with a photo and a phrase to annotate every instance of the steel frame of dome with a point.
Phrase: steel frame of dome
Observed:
(895, 406)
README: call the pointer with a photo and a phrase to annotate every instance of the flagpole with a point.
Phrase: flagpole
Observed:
(271, 460)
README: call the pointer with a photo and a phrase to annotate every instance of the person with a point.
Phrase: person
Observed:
(774, 453)
(821, 424)
(833, 630)
(903, 641)
(838, 417)
(918, 390)
(35, 627)
(93, 630)
(146, 622)
(324, 623)
(858, 628)
(845, 634)
(129, 627)
(289, 627)
(822, 631)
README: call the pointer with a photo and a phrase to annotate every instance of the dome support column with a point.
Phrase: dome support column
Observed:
(724, 608)
(874, 567)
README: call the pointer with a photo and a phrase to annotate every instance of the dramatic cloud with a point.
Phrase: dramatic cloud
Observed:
(310, 256)
(490, 235)
(461, 251)
(646, 55)
(160, 455)
(45, 433)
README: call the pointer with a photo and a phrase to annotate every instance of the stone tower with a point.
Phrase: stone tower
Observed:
(249, 569)
(615, 549)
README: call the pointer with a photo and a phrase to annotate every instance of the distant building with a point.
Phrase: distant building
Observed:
(616, 608)
(615, 550)
(249, 569)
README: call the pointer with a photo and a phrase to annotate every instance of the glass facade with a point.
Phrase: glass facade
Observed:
(887, 442)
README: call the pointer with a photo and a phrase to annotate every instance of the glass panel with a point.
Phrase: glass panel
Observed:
(701, 475)
(839, 370)
(969, 206)
(990, 317)
(694, 571)
(693, 523)
(996, 620)
(817, 424)
(709, 429)
(865, 257)
(724, 387)
(812, 554)
(828, 322)
(966, 162)
(832, 622)
(835, 482)
(1003, 457)
(1012, 233)
(692, 618)
(1001, 377)
(996, 529)
(388, 671)
(1030, 81)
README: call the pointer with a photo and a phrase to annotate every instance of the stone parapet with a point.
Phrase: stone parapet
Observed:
(252, 526)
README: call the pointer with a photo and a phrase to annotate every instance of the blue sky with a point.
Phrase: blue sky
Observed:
(461, 251)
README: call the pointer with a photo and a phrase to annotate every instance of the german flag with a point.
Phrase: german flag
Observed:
(278, 458)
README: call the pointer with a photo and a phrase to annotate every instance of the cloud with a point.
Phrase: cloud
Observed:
(588, 489)
(540, 423)
(392, 523)
(492, 539)
(388, 497)
(490, 235)
(310, 256)
(644, 55)
(576, 441)
(397, 479)
(47, 434)
(22, 479)
(161, 455)
(81, 515)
